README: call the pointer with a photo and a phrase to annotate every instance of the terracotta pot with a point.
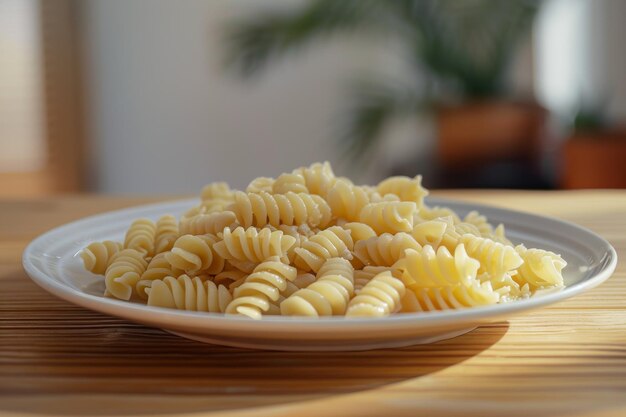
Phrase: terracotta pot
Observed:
(479, 132)
(595, 160)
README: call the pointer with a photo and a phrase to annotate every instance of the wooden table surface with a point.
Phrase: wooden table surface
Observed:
(60, 359)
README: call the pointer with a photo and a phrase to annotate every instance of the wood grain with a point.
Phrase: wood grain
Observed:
(59, 359)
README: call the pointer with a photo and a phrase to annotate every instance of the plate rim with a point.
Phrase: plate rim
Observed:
(128, 310)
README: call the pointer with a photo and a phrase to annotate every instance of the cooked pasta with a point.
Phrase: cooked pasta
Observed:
(495, 258)
(252, 245)
(389, 216)
(140, 236)
(332, 242)
(261, 289)
(186, 293)
(259, 184)
(429, 268)
(346, 200)
(194, 254)
(166, 233)
(455, 297)
(379, 297)
(540, 268)
(359, 231)
(318, 177)
(158, 268)
(328, 295)
(262, 209)
(123, 273)
(97, 255)
(407, 189)
(289, 183)
(211, 223)
(309, 243)
(384, 250)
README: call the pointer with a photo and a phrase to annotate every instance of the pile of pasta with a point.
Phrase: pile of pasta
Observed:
(308, 243)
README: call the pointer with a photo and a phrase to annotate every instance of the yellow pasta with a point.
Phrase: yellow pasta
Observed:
(186, 293)
(540, 268)
(384, 250)
(97, 255)
(211, 223)
(407, 189)
(194, 254)
(389, 217)
(495, 258)
(166, 233)
(262, 209)
(252, 245)
(123, 273)
(332, 242)
(329, 295)
(346, 200)
(429, 268)
(289, 183)
(140, 236)
(379, 297)
(309, 243)
(454, 297)
(261, 289)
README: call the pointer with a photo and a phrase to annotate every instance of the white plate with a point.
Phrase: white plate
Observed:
(52, 261)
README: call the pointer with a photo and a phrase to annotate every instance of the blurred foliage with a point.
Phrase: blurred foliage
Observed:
(590, 118)
(461, 48)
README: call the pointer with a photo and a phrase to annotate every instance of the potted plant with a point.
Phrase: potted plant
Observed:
(462, 50)
(594, 156)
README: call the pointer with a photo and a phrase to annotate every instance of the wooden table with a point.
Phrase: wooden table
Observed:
(56, 358)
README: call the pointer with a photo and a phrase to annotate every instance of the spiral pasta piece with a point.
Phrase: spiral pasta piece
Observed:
(216, 190)
(389, 217)
(229, 276)
(495, 258)
(166, 233)
(365, 275)
(329, 243)
(140, 236)
(359, 231)
(186, 293)
(252, 245)
(329, 295)
(541, 268)
(194, 254)
(436, 212)
(123, 273)
(158, 268)
(211, 223)
(261, 209)
(347, 200)
(427, 268)
(255, 296)
(285, 183)
(97, 255)
(454, 297)
(480, 222)
(318, 177)
(499, 235)
(430, 232)
(379, 297)
(260, 184)
(384, 250)
(408, 189)
(303, 280)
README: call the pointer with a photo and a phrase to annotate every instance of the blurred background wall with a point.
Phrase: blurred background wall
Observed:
(140, 101)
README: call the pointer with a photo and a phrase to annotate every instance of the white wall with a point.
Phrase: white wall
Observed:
(166, 118)
(581, 57)
(22, 145)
